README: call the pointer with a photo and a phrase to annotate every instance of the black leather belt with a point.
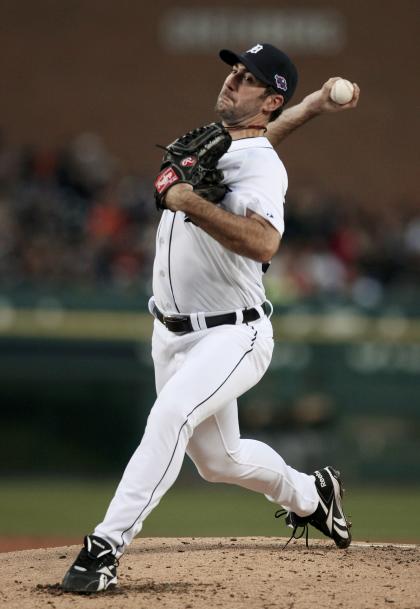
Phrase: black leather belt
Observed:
(183, 323)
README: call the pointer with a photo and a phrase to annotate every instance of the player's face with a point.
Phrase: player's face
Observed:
(241, 96)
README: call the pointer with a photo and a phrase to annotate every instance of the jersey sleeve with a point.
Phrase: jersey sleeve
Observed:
(262, 186)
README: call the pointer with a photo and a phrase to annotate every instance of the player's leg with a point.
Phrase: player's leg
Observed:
(220, 455)
(95, 568)
(213, 369)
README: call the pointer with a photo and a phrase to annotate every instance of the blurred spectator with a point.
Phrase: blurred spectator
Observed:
(85, 166)
(339, 247)
(71, 217)
(67, 217)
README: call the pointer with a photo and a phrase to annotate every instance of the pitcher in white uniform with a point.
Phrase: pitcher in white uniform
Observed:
(212, 338)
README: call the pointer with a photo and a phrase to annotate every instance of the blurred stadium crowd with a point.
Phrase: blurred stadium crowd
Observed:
(72, 216)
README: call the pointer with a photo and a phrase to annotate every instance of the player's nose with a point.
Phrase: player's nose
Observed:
(231, 82)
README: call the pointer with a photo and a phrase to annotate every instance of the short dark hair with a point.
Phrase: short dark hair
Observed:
(275, 113)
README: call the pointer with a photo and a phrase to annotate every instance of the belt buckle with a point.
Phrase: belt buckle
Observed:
(168, 319)
(171, 320)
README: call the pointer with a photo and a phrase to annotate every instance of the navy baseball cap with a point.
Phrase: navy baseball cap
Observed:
(270, 65)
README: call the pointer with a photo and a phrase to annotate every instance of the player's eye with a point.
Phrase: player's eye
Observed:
(249, 79)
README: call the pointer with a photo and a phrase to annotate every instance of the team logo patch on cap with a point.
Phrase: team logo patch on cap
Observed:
(281, 82)
(256, 49)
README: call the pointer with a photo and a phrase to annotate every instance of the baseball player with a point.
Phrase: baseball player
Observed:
(212, 338)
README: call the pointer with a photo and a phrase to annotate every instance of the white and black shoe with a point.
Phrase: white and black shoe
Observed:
(94, 569)
(329, 517)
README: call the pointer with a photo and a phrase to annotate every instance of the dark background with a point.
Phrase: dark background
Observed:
(76, 380)
(77, 65)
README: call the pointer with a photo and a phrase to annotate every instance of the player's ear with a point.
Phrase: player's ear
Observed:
(272, 102)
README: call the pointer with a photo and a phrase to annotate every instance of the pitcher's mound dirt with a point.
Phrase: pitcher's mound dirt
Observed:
(204, 573)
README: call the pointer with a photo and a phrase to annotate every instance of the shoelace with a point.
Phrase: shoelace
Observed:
(106, 560)
(304, 527)
(111, 561)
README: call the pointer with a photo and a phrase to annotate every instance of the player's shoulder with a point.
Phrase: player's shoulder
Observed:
(253, 160)
(244, 145)
(262, 157)
(254, 149)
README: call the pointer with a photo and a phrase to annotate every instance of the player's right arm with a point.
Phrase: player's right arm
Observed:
(312, 105)
(250, 235)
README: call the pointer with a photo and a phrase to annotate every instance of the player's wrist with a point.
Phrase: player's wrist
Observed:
(177, 195)
(313, 105)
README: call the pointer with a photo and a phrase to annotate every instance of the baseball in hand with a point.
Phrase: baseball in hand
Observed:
(342, 91)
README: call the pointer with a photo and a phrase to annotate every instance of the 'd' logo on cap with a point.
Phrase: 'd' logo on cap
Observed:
(281, 82)
(256, 49)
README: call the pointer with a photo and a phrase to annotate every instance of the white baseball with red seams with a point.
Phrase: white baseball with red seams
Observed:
(200, 374)
(342, 91)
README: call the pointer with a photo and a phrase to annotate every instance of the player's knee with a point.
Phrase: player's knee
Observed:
(215, 470)
(209, 474)
(170, 413)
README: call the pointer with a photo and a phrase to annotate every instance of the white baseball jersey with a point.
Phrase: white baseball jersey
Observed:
(200, 374)
(192, 271)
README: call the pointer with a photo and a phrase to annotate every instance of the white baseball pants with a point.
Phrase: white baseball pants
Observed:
(198, 378)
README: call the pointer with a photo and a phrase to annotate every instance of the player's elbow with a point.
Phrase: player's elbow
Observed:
(268, 248)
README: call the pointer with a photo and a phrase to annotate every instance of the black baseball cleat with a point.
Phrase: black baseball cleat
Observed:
(95, 568)
(329, 517)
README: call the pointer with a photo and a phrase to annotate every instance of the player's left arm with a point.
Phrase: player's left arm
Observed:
(312, 105)
(251, 235)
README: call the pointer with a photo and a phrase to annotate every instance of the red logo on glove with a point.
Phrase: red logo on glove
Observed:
(189, 161)
(165, 179)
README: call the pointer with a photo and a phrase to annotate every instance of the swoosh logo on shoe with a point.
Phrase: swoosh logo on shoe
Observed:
(340, 521)
(330, 517)
(343, 534)
(106, 571)
(324, 507)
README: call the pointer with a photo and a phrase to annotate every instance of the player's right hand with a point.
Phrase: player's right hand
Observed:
(319, 102)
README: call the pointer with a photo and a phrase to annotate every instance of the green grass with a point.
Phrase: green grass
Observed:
(72, 508)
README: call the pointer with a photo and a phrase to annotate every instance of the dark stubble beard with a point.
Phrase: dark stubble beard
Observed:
(228, 115)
